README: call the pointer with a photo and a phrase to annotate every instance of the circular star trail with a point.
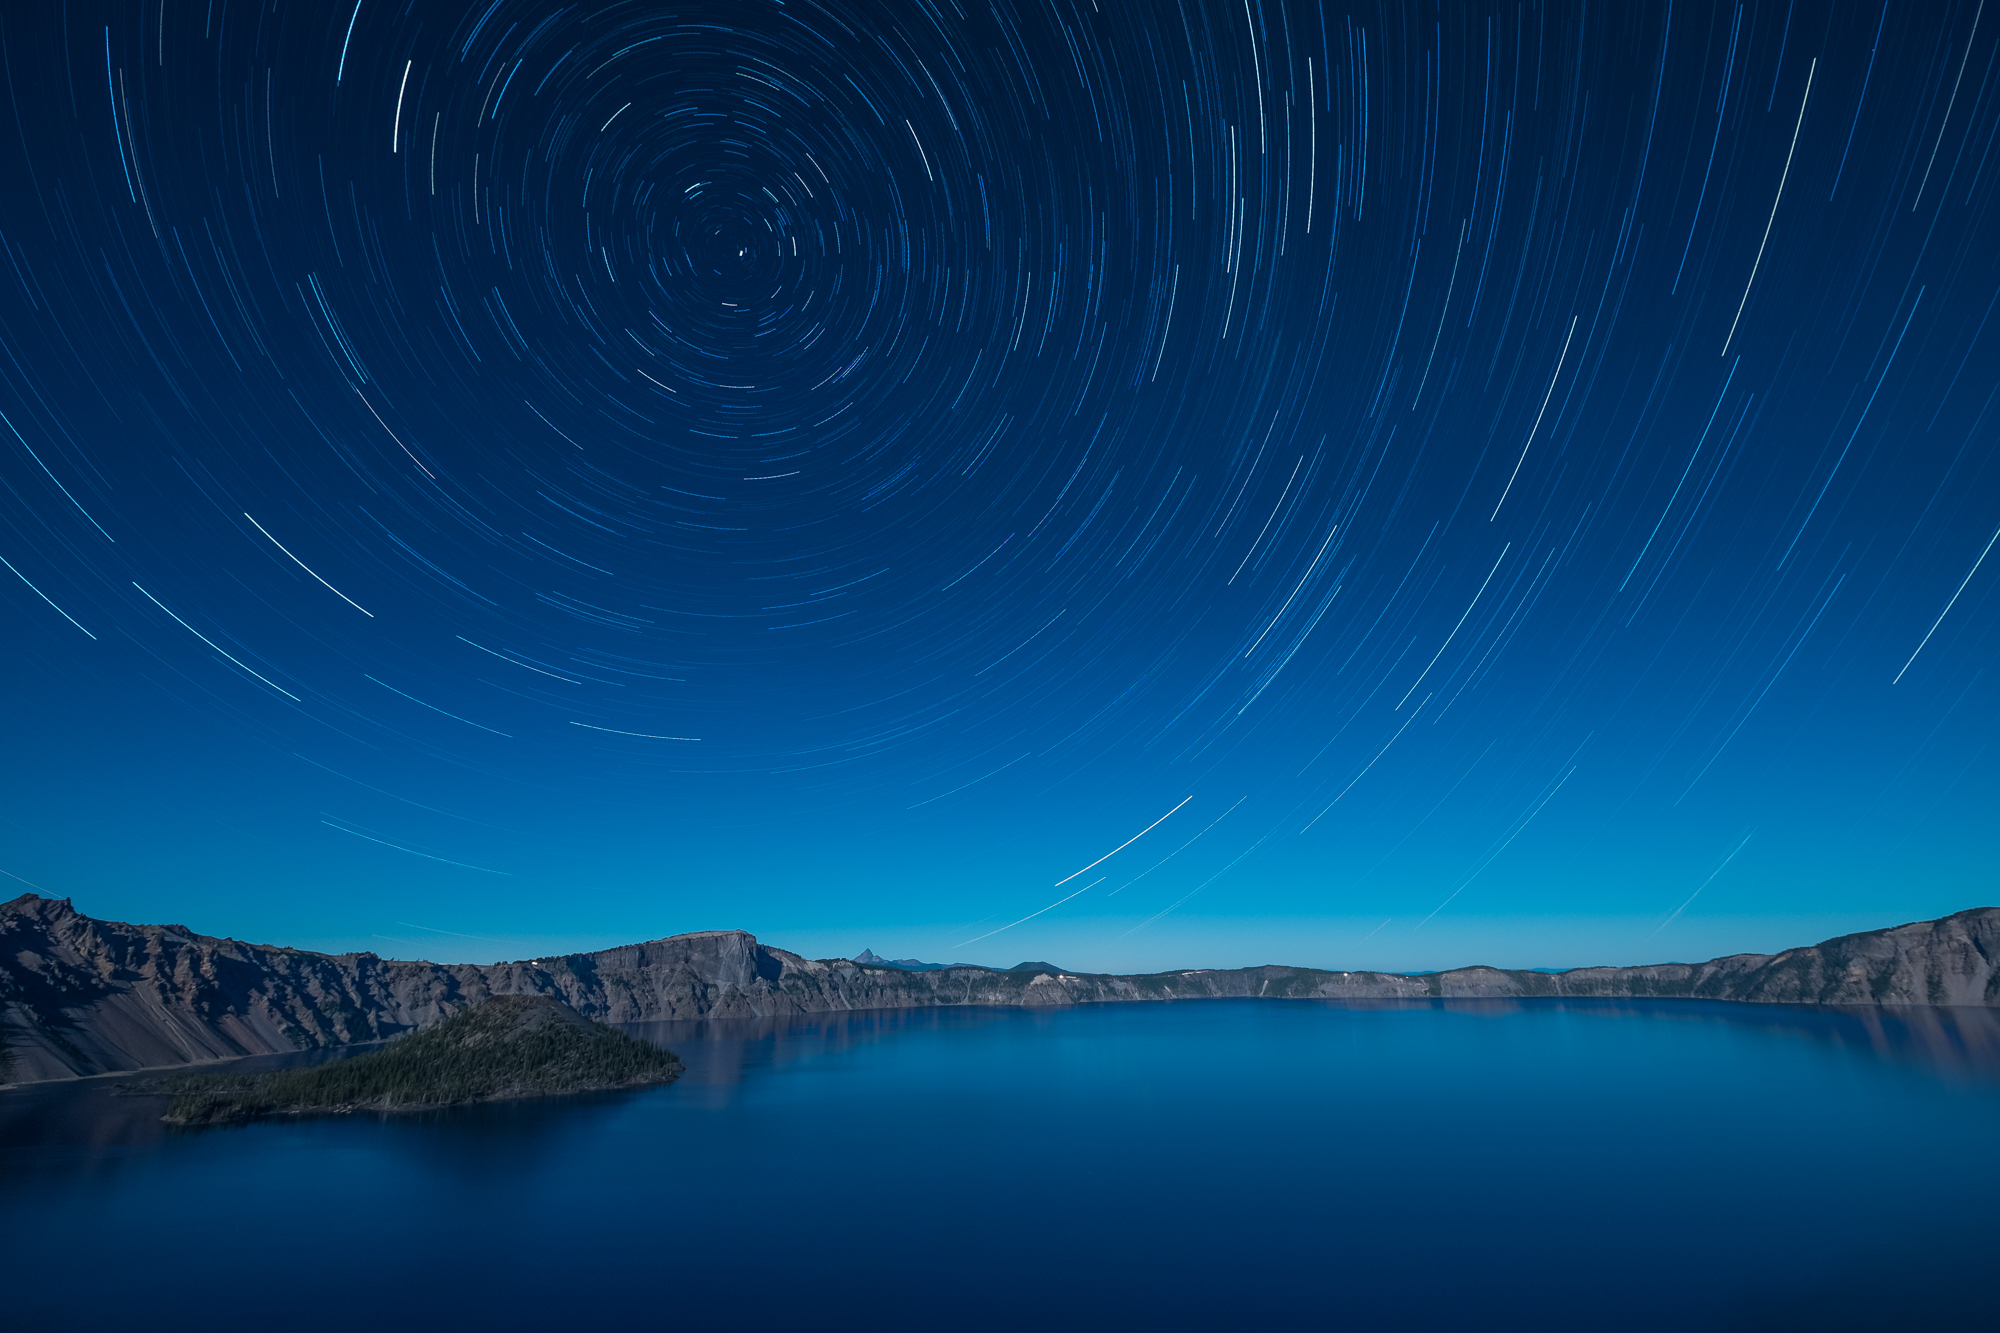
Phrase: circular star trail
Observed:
(1379, 469)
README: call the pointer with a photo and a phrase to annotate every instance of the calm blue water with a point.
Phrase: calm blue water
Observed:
(1641, 1165)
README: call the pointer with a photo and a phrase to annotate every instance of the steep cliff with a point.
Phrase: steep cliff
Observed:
(83, 996)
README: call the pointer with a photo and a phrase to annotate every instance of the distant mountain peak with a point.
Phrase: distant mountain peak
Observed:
(869, 958)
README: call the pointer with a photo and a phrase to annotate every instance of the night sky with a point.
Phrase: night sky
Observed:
(1507, 483)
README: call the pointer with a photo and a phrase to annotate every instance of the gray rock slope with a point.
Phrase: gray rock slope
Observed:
(81, 996)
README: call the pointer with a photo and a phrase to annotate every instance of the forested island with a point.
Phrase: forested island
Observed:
(507, 1047)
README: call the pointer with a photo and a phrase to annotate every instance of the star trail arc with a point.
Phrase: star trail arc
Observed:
(843, 425)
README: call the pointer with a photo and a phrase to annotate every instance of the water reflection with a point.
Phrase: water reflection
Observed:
(104, 1115)
(1214, 1162)
(1962, 1042)
(720, 1053)
(113, 1110)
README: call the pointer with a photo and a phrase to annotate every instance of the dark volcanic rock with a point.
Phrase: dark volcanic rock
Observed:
(82, 996)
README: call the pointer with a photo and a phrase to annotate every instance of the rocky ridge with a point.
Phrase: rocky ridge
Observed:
(82, 996)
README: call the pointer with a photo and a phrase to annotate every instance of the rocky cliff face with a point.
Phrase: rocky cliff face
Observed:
(82, 996)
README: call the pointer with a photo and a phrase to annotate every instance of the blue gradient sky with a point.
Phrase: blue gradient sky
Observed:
(1513, 483)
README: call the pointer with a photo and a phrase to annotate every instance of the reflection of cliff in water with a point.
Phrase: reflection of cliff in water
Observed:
(722, 1052)
(1960, 1040)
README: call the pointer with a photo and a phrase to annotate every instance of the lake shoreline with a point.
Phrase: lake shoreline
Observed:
(181, 998)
